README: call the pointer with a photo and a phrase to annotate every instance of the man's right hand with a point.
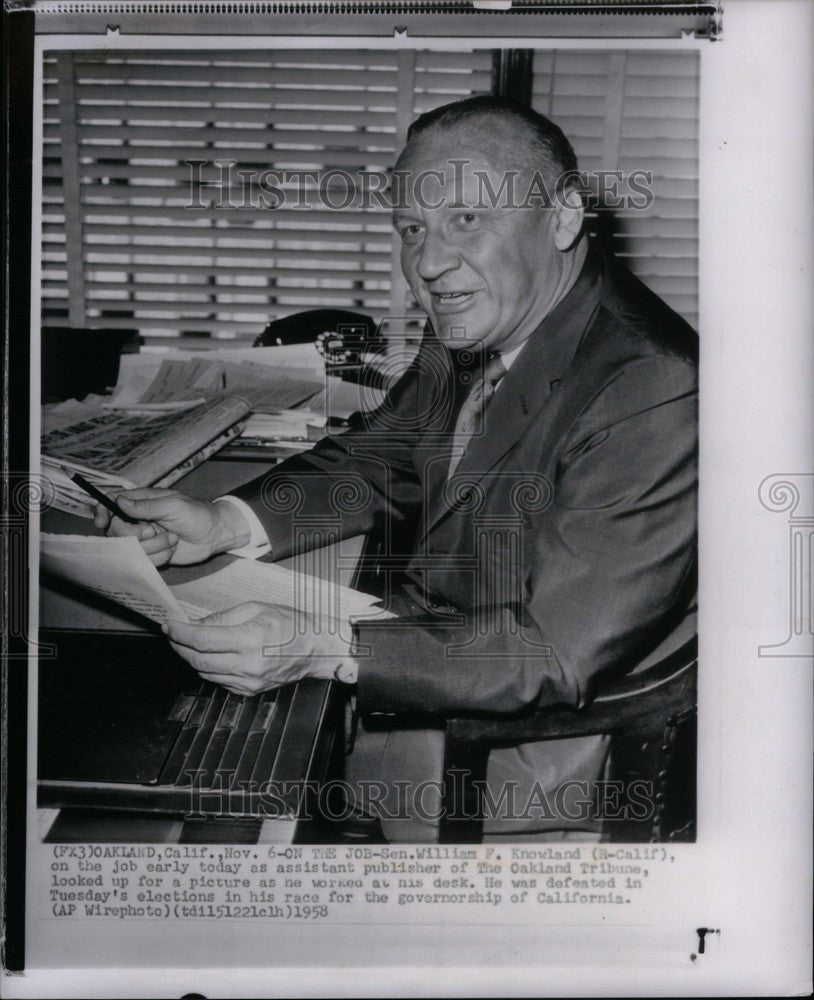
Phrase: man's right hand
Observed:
(174, 528)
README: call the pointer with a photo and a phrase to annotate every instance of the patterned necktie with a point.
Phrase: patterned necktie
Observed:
(470, 417)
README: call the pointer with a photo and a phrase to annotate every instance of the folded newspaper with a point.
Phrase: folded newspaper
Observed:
(119, 450)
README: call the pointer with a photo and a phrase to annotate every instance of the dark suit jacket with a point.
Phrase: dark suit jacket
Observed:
(563, 549)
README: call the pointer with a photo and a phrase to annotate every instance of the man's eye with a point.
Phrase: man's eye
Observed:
(468, 220)
(410, 232)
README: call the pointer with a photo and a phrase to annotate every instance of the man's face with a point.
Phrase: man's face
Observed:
(486, 275)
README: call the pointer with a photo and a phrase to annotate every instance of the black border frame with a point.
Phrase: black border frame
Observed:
(18, 75)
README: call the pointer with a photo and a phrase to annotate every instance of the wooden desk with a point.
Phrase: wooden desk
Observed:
(101, 648)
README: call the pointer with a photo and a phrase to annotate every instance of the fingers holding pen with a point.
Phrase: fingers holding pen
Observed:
(143, 530)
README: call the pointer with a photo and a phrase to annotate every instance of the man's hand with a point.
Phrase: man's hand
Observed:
(174, 528)
(256, 647)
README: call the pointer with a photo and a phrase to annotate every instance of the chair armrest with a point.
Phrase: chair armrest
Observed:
(636, 706)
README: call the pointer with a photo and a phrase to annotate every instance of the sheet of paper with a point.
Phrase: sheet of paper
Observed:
(339, 398)
(181, 380)
(116, 568)
(138, 372)
(58, 415)
(284, 356)
(277, 393)
(246, 580)
(274, 427)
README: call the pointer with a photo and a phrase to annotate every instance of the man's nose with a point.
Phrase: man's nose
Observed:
(436, 258)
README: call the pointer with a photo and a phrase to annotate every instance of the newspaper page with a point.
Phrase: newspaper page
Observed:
(137, 451)
(573, 758)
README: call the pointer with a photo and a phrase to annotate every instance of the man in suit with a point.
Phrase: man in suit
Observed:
(540, 453)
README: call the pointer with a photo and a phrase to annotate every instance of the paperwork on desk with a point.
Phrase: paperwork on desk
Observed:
(119, 569)
(265, 376)
(169, 412)
(295, 430)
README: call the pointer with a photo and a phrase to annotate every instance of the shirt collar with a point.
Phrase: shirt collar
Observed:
(508, 357)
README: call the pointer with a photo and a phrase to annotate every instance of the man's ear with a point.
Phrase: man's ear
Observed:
(570, 213)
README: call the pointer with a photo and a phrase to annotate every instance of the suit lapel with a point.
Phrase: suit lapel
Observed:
(521, 395)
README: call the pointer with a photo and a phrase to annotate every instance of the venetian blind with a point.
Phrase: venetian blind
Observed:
(141, 231)
(636, 111)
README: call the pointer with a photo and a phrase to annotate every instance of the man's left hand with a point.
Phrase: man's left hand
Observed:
(256, 647)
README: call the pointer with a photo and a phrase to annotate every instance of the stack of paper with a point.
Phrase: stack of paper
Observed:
(168, 412)
(154, 382)
(290, 430)
(119, 569)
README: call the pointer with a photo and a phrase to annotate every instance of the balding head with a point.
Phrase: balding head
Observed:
(506, 133)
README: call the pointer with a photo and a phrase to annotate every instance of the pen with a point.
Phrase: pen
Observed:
(111, 505)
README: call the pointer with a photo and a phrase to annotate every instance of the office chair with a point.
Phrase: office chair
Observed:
(651, 719)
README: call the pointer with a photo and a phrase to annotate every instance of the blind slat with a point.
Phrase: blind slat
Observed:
(239, 218)
(126, 193)
(662, 64)
(206, 232)
(261, 161)
(90, 134)
(354, 86)
(657, 246)
(97, 269)
(262, 145)
(229, 257)
(170, 116)
(272, 87)
(179, 288)
(244, 220)
(228, 58)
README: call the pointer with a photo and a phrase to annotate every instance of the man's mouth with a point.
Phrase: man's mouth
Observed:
(449, 301)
